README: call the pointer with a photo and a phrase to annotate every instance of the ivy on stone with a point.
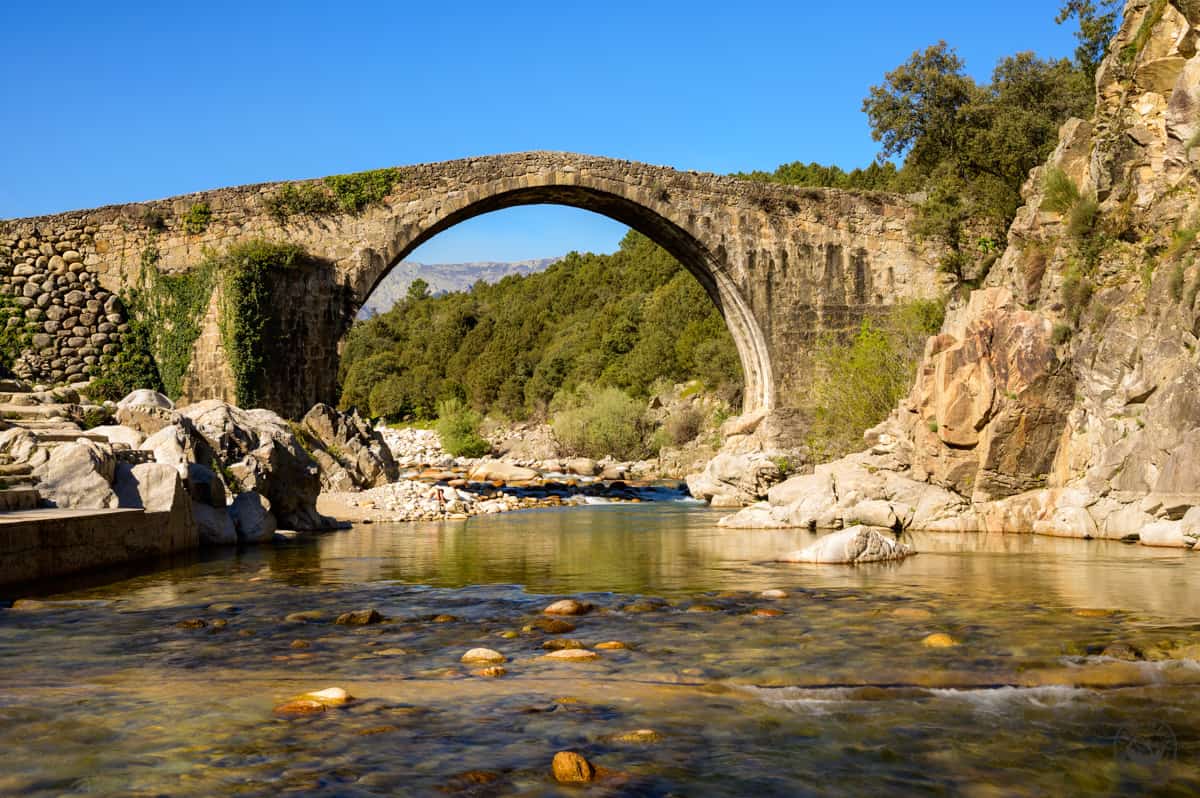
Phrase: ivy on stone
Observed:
(171, 307)
(349, 194)
(246, 306)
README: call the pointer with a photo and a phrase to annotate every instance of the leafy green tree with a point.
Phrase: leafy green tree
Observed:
(458, 428)
(1098, 24)
(418, 289)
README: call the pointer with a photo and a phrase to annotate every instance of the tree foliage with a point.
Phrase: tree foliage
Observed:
(1098, 23)
(623, 320)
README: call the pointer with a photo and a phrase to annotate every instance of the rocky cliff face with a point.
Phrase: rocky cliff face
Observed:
(1063, 397)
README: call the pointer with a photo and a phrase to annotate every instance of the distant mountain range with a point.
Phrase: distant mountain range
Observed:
(444, 278)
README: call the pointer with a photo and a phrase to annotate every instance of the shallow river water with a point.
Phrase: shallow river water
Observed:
(117, 689)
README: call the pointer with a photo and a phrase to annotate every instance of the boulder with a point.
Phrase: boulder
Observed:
(582, 466)
(741, 479)
(171, 445)
(252, 518)
(157, 488)
(497, 471)
(21, 446)
(146, 398)
(118, 434)
(78, 475)
(146, 419)
(260, 450)
(214, 527)
(1164, 534)
(353, 451)
(205, 486)
(858, 544)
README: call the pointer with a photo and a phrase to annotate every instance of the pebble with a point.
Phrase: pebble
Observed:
(774, 594)
(939, 640)
(192, 623)
(551, 626)
(492, 672)
(570, 767)
(703, 608)
(569, 607)
(611, 645)
(571, 655)
(484, 655)
(1092, 612)
(561, 644)
(911, 614)
(330, 697)
(304, 616)
(642, 736)
(392, 652)
(766, 612)
(300, 706)
(508, 634)
(444, 618)
(301, 644)
(359, 618)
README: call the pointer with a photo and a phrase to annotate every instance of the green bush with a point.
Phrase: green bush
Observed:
(1061, 334)
(299, 199)
(356, 191)
(1060, 194)
(595, 422)
(388, 399)
(859, 381)
(1082, 219)
(684, 426)
(197, 218)
(458, 428)
(131, 367)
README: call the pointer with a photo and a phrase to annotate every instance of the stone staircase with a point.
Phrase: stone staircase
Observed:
(52, 418)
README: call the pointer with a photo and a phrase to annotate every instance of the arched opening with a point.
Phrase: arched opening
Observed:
(705, 265)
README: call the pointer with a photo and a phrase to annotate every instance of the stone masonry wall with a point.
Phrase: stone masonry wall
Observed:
(72, 318)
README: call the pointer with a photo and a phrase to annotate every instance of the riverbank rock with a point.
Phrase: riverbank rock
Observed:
(157, 488)
(569, 607)
(735, 480)
(78, 475)
(350, 453)
(214, 527)
(485, 656)
(859, 544)
(261, 452)
(252, 518)
(498, 471)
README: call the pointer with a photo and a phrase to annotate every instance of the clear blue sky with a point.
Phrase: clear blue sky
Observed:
(122, 101)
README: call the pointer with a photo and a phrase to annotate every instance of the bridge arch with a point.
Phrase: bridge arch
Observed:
(649, 212)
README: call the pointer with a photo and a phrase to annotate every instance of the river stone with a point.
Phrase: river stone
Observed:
(252, 518)
(571, 768)
(78, 475)
(359, 618)
(582, 466)
(483, 655)
(568, 607)
(858, 544)
(939, 640)
(571, 655)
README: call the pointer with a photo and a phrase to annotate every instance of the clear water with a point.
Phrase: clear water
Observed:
(103, 693)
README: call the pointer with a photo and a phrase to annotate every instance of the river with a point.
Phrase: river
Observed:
(165, 682)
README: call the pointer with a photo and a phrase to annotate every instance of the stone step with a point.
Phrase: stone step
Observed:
(19, 499)
(51, 424)
(15, 469)
(65, 436)
(12, 412)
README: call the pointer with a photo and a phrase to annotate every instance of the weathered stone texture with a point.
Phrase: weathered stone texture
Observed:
(782, 263)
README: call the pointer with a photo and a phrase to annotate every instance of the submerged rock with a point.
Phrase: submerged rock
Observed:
(359, 618)
(569, 607)
(484, 655)
(858, 544)
(939, 640)
(571, 655)
(570, 767)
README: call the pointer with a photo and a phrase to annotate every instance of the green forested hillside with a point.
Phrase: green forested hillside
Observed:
(625, 319)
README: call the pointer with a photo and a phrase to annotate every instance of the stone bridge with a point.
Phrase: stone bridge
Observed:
(781, 263)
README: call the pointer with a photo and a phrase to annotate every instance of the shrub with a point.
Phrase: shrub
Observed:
(388, 399)
(356, 191)
(860, 380)
(458, 428)
(1176, 283)
(1060, 192)
(1082, 219)
(595, 422)
(684, 426)
(1061, 334)
(197, 218)
(299, 199)
(131, 367)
